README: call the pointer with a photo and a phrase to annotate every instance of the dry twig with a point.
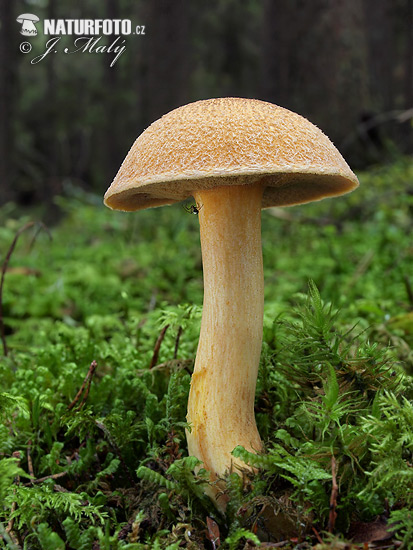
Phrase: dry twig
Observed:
(157, 347)
(41, 479)
(178, 336)
(9, 528)
(175, 364)
(29, 460)
(88, 380)
(12, 543)
(333, 497)
(317, 535)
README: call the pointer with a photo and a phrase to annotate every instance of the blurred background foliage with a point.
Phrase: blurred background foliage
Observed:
(70, 119)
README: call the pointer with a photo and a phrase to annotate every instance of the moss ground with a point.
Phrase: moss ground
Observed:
(101, 317)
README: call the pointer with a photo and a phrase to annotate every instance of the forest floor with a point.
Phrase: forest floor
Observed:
(99, 322)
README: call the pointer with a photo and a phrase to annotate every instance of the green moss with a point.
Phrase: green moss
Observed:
(334, 394)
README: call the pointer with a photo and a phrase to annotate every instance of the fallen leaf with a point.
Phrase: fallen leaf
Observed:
(370, 532)
(213, 533)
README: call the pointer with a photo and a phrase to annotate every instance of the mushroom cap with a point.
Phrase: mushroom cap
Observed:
(27, 17)
(230, 141)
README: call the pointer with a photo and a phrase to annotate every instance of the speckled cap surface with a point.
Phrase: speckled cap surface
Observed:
(230, 141)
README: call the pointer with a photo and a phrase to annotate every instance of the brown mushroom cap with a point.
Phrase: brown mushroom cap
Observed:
(230, 141)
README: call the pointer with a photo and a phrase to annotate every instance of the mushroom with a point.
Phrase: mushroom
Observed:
(28, 21)
(234, 156)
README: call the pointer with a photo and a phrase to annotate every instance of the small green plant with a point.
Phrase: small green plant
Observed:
(390, 435)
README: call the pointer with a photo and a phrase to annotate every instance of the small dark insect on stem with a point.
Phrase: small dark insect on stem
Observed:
(192, 208)
(4, 269)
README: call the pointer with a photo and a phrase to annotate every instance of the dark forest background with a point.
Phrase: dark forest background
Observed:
(69, 120)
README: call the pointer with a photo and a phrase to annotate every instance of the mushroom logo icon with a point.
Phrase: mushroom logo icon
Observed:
(28, 21)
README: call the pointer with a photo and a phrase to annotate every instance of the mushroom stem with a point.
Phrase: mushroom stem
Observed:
(221, 399)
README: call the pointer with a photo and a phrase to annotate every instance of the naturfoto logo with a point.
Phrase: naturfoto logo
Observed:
(91, 27)
(89, 35)
(28, 22)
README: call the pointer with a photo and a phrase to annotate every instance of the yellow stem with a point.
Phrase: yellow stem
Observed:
(221, 399)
